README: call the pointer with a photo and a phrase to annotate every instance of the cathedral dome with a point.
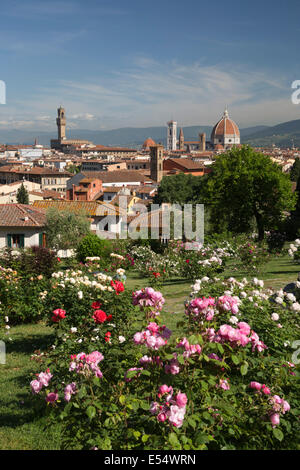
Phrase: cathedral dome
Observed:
(148, 143)
(225, 132)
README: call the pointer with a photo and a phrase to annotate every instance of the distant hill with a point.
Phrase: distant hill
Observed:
(282, 135)
(125, 137)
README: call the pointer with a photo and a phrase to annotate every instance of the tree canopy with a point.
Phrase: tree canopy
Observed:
(295, 170)
(179, 189)
(22, 195)
(246, 185)
(64, 230)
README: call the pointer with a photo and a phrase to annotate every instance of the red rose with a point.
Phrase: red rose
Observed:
(118, 286)
(59, 314)
(99, 316)
(96, 305)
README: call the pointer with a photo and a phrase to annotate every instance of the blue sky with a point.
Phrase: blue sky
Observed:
(121, 63)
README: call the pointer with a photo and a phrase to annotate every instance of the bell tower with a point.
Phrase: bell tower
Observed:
(202, 142)
(181, 139)
(156, 162)
(61, 123)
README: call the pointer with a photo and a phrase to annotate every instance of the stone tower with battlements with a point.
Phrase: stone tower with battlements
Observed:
(61, 123)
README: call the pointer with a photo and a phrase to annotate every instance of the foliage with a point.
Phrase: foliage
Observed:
(92, 245)
(253, 256)
(64, 230)
(225, 381)
(22, 195)
(246, 185)
(295, 170)
(178, 189)
(275, 241)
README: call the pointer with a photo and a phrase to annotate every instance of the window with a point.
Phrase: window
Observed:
(15, 240)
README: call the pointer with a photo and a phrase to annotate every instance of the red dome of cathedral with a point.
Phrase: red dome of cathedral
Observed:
(148, 143)
(225, 132)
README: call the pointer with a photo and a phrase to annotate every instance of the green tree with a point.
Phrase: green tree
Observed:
(22, 195)
(295, 170)
(65, 229)
(246, 186)
(180, 189)
(74, 169)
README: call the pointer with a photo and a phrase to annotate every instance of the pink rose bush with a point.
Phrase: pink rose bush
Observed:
(240, 336)
(201, 309)
(154, 336)
(171, 408)
(277, 405)
(149, 300)
(87, 364)
(205, 308)
(41, 381)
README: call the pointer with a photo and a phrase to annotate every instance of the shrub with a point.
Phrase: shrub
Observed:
(92, 245)
(118, 378)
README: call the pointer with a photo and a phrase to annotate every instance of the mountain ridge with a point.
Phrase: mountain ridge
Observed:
(125, 136)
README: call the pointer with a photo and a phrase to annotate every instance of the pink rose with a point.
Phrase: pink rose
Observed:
(275, 419)
(255, 385)
(265, 390)
(162, 417)
(244, 327)
(181, 399)
(165, 389)
(36, 386)
(95, 357)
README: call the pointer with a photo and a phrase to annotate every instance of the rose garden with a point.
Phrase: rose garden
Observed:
(141, 348)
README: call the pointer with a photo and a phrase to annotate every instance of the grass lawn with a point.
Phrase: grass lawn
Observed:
(20, 427)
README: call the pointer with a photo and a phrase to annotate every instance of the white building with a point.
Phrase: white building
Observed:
(172, 135)
(21, 226)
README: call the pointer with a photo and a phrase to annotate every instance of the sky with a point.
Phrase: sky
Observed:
(140, 63)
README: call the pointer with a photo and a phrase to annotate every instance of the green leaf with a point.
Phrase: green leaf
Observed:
(96, 381)
(91, 412)
(193, 339)
(173, 440)
(278, 434)
(235, 359)
(244, 369)
(192, 423)
(180, 359)
(122, 399)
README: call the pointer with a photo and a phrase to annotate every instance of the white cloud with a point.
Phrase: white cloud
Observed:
(149, 93)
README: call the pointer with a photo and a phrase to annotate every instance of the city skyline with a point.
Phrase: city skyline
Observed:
(115, 65)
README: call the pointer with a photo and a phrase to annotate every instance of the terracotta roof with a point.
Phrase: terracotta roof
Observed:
(91, 208)
(21, 215)
(118, 176)
(187, 163)
(48, 193)
(34, 171)
(225, 126)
